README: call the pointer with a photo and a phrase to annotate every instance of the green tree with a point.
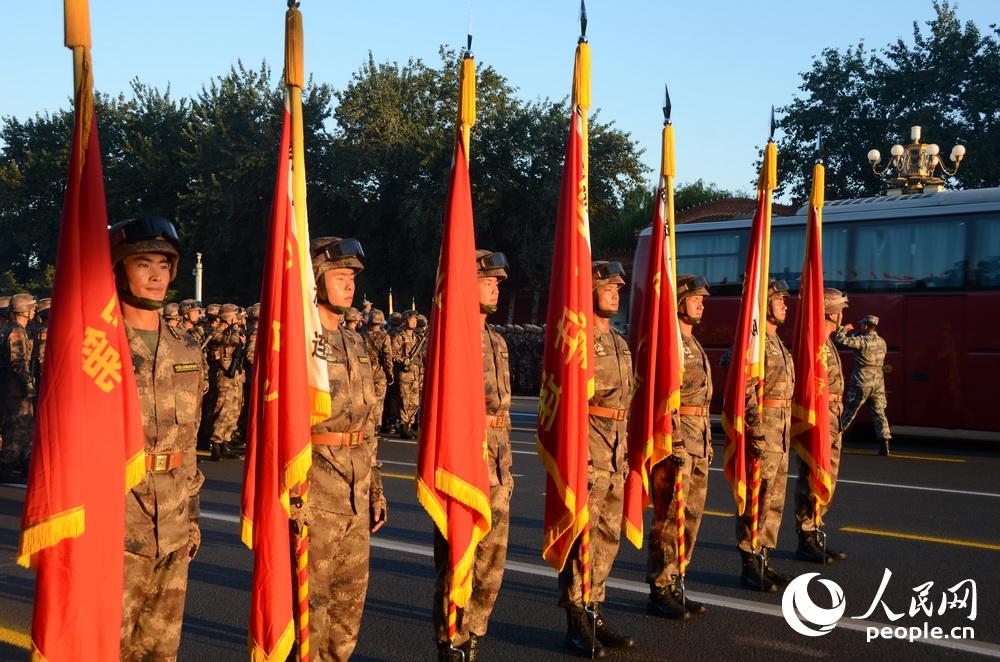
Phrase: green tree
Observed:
(946, 80)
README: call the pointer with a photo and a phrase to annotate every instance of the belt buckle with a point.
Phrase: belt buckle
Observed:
(354, 438)
(161, 462)
(619, 414)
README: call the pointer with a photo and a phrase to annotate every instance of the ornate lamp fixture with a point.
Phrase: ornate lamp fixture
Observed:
(915, 165)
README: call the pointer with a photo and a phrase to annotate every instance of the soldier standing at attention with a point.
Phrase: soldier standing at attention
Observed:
(607, 469)
(40, 332)
(867, 380)
(692, 455)
(172, 315)
(352, 319)
(191, 312)
(225, 361)
(809, 549)
(770, 442)
(407, 354)
(491, 552)
(18, 389)
(345, 503)
(379, 346)
(161, 512)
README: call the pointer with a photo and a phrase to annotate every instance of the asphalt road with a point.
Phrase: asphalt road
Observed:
(929, 514)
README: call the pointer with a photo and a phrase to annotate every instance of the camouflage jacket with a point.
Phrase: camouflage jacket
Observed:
(835, 384)
(40, 334)
(223, 347)
(16, 345)
(496, 374)
(779, 384)
(403, 347)
(340, 475)
(869, 355)
(694, 433)
(379, 346)
(160, 509)
(251, 349)
(612, 389)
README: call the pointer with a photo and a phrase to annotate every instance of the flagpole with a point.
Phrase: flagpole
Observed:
(294, 81)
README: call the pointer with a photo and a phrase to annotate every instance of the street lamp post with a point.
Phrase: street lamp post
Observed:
(915, 165)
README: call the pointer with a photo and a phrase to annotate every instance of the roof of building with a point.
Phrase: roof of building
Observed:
(728, 208)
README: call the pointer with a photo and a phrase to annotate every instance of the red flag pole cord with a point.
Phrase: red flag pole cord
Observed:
(302, 593)
(681, 547)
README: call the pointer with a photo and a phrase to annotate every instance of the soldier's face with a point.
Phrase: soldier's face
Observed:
(489, 291)
(339, 286)
(695, 306)
(352, 325)
(607, 298)
(194, 316)
(779, 309)
(148, 275)
(411, 322)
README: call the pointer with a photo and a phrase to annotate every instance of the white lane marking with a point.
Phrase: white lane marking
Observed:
(727, 602)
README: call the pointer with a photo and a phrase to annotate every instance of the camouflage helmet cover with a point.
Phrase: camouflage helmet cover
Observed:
(607, 273)
(171, 311)
(228, 312)
(352, 315)
(690, 285)
(870, 320)
(22, 303)
(490, 263)
(145, 235)
(335, 253)
(834, 301)
(376, 316)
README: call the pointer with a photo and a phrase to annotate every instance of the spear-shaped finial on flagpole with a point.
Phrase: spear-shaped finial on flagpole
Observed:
(819, 147)
(666, 104)
(583, 20)
(773, 126)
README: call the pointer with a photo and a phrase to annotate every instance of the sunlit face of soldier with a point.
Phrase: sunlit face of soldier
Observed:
(148, 275)
(489, 292)
(339, 283)
(607, 299)
(411, 322)
(694, 307)
(779, 309)
(193, 315)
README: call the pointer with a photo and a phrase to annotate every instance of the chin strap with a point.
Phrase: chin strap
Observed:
(126, 296)
(489, 310)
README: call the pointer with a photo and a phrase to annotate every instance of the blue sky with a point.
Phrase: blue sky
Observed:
(726, 62)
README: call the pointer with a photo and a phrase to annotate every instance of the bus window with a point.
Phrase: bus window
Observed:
(834, 256)
(787, 253)
(915, 255)
(985, 266)
(716, 255)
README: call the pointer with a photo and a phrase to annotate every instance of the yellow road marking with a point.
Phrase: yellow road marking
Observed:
(390, 474)
(15, 638)
(524, 429)
(907, 456)
(913, 536)
(716, 513)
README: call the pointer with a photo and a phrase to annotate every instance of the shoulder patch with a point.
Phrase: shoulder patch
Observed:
(363, 359)
(186, 367)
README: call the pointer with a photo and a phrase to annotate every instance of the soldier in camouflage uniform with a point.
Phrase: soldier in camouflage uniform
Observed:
(769, 444)
(18, 389)
(692, 456)
(408, 357)
(226, 351)
(810, 548)
(172, 315)
(491, 553)
(345, 501)
(606, 473)
(352, 319)
(161, 512)
(40, 332)
(379, 346)
(191, 312)
(867, 380)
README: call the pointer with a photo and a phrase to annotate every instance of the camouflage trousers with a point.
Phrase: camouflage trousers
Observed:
(605, 503)
(338, 582)
(487, 574)
(874, 395)
(662, 560)
(226, 409)
(380, 392)
(18, 430)
(409, 401)
(153, 606)
(773, 479)
(805, 510)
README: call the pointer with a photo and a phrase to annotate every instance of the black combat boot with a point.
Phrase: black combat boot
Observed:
(690, 606)
(448, 654)
(663, 603)
(609, 637)
(11, 473)
(777, 578)
(406, 432)
(833, 554)
(752, 576)
(809, 548)
(471, 648)
(222, 451)
(884, 451)
(580, 633)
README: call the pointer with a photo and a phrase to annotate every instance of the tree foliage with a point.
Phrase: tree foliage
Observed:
(947, 80)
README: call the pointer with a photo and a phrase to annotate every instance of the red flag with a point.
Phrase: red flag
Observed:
(747, 363)
(453, 483)
(279, 451)
(88, 445)
(655, 335)
(810, 404)
(568, 362)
